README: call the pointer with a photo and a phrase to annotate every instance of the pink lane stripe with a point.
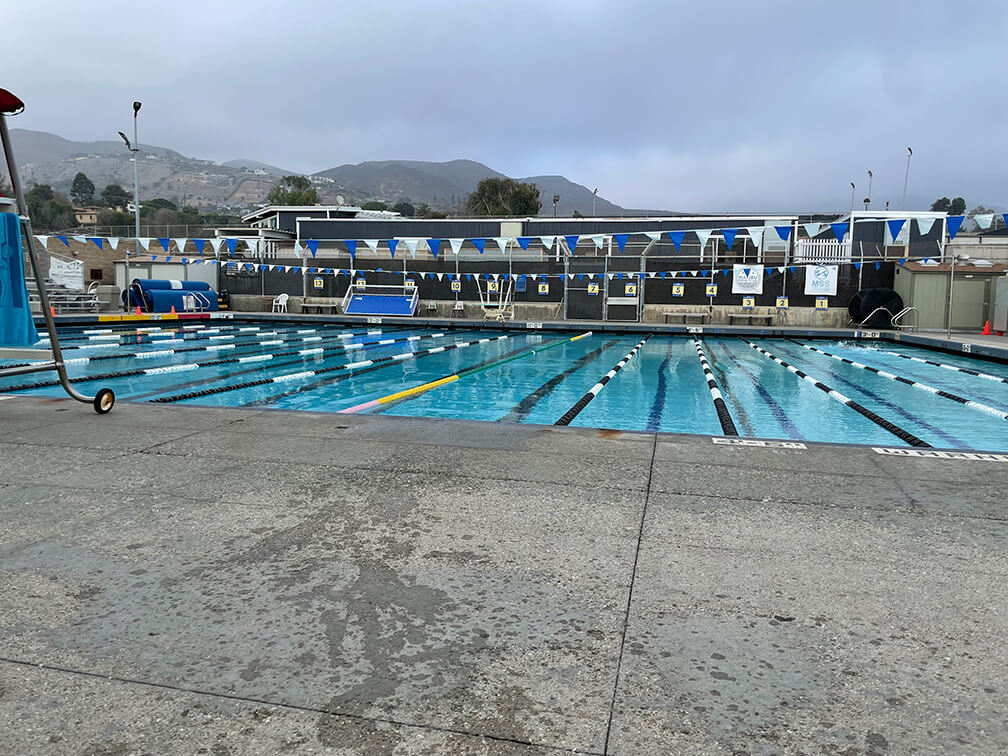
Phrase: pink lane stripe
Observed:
(358, 408)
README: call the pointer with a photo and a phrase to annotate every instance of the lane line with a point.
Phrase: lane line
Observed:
(724, 416)
(581, 403)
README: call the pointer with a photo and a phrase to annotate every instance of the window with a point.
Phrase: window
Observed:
(95, 274)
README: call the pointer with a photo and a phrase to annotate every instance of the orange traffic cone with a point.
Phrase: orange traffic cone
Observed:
(173, 309)
(986, 330)
(52, 310)
(138, 309)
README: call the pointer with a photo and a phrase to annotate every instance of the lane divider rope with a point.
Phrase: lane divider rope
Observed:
(724, 416)
(877, 419)
(908, 382)
(968, 371)
(454, 377)
(581, 403)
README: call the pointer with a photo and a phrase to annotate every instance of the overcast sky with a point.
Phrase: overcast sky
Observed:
(701, 106)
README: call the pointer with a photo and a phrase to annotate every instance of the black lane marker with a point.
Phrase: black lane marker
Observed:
(879, 421)
(256, 358)
(594, 390)
(524, 408)
(356, 368)
(727, 425)
(908, 382)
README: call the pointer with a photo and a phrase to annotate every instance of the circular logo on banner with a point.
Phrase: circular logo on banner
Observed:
(821, 274)
(747, 278)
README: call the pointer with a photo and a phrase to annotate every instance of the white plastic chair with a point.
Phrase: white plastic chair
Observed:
(280, 303)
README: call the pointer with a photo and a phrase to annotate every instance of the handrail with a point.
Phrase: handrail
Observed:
(895, 322)
(872, 314)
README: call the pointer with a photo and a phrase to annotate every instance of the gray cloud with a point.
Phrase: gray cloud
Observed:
(728, 106)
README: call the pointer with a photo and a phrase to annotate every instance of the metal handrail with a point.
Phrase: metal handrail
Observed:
(872, 314)
(895, 322)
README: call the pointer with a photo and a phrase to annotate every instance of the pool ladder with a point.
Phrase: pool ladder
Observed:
(906, 311)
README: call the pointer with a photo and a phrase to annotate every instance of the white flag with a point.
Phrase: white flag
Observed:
(253, 245)
(180, 243)
(984, 221)
(547, 241)
(756, 234)
(411, 245)
(812, 229)
(44, 241)
(372, 244)
(113, 241)
(456, 244)
(924, 225)
(653, 235)
(703, 235)
(216, 244)
(144, 242)
(598, 239)
(502, 242)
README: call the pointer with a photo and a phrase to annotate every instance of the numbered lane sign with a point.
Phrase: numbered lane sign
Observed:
(748, 303)
(821, 303)
(630, 290)
(491, 286)
(782, 303)
(544, 288)
(711, 290)
(456, 286)
(677, 289)
(318, 283)
(593, 289)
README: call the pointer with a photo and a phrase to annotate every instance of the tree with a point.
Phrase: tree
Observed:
(49, 211)
(951, 207)
(504, 196)
(160, 203)
(374, 205)
(114, 196)
(576, 214)
(293, 190)
(426, 211)
(404, 209)
(110, 218)
(82, 191)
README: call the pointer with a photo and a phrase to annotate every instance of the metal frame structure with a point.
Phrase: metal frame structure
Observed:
(104, 400)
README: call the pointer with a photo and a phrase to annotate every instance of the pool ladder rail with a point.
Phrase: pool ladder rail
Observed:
(102, 401)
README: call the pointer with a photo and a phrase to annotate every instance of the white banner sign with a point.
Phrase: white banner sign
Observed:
(821, 280)
(747, 279)
(68, 273)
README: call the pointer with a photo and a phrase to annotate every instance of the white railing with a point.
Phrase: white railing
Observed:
(822, 251)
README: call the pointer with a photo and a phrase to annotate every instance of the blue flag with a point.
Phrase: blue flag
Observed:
(96, 241)
(571, 242)
(165, 243)
(839, 230)
(523, 241)
(233, 243)
(621, 240)
(895, 226)
(783, 232)
(677, 237)
(435, 245)
(312, 244)
(857, 266)
(200, 243)
(953, 222)
(64, 240)
(729, 237)
(479, 244)
(351, 245)
(878, 266)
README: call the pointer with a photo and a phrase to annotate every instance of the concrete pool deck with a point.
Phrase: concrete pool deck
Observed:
(189, 580)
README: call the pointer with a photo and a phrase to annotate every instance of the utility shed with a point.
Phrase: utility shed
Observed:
(926, 287)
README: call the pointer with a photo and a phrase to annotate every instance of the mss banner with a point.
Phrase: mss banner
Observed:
(821, 280)
(747, 279)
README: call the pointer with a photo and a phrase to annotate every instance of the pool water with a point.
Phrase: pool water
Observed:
(536, 377)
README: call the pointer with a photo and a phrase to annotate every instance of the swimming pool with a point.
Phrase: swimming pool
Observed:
(870, 392)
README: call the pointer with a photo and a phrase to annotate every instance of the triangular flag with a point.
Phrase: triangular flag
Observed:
(372, 245)
(216, 244)
(144, 242)
(232, 244)
(312, 245)
(791, 269)
(523, 241)
(924, 225)
(78, 239)
(411, 245)
(839, 230)
(440, 276)
(812, 229)
(677, 237)
(895, 226)
(164, 243)
(547, 242)
(925, 260)
(253, 245)
(621, 240)
(200, 245)
(180, 244)
(902, 261)
(351, 245)
(1005, 217)
(113, 242)
(984, 221)
(479, 244)
(653, 235)
(952, 223)
(456, 244)
(703, 235)
(392, 244)
(857, 266)
(878, 266)
(783, 232)
(755, 235)
(598, 240)
(63, 239)
(43, 240)
(434, 245)
(167, 258)
(96, 240)
(780, 269)
(502, 242)
(729, 235)
(572, 241)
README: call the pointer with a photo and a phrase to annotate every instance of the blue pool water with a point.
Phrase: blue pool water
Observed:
(536, 377)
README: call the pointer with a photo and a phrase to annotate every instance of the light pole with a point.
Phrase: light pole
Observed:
(867, 200)
(852, 197)
(906, 178)
(594, 197)
(135, 148)
(556, 198)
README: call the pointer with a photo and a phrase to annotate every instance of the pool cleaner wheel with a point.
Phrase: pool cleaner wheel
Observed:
(104, 401)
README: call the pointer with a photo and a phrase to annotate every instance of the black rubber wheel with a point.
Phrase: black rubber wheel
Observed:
(104, 401)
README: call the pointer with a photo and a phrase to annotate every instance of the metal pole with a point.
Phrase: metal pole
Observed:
(136, 171)
(948, 334)
(906, 178)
